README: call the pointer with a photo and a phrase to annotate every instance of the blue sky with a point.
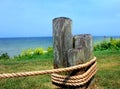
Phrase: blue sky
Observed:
(33, 18)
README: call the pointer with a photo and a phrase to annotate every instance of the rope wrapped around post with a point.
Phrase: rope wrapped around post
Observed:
(59, 79)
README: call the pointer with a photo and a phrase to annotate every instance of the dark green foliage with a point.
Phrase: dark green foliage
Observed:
(112, 44)
(118, 44)
(4, 56)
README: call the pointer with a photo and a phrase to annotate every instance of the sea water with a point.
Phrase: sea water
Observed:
(14, 46)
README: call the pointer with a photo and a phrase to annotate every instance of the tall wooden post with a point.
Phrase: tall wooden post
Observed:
(62, 41)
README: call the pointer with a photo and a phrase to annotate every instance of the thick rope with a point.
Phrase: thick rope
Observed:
(23, 74)
(56, 78)
(75, 80)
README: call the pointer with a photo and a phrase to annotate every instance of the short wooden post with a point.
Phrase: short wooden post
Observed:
(85, 42)
(62, 41)
(69, 50)
(81, 53)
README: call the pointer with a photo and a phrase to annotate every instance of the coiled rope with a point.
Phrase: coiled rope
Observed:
(59, 79)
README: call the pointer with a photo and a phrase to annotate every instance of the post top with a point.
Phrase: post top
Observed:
(62, 18)
(83, 35)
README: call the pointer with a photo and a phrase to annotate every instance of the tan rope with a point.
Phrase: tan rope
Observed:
(22, 74)
(72, 81)
(75, 80)
(92, 69)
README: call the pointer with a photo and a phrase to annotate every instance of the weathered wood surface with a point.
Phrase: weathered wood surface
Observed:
(76, 56)
(69, 50)
(82, 52)
(85, 42)
(62, 41)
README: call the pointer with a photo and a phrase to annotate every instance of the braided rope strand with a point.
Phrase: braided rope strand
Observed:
(24, 74)
(74, 83)
(79, 76)
(75, 80)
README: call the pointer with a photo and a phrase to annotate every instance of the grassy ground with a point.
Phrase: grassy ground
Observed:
(107, 76)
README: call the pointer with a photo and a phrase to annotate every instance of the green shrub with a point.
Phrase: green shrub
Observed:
(112, 44)
(50, 49)
(101, 46)
(49, 52)
(4, 56)
(38, 51)
(27, 52)
(118, 44)
(115, 43)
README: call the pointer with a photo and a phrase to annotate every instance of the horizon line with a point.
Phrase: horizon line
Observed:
(52, 36)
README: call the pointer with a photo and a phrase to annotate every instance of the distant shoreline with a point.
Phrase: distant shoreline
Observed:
(105, 36)
(14, 46)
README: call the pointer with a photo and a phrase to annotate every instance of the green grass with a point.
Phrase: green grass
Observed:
(34, 82)
(108, 73)
(107, 76)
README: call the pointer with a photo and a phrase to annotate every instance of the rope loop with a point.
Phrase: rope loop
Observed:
(75, 80)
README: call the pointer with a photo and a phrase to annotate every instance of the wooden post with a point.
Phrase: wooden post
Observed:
(76, 56)
(69, 50)
(62, 41)
(81, 53)
(85, 42)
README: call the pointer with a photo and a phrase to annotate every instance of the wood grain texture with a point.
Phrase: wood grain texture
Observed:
(75, 56)
(85, 42)
(69, 50)
(81, 53)
(62, 41)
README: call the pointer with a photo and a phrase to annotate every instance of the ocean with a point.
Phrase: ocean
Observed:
(14, 46)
